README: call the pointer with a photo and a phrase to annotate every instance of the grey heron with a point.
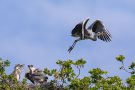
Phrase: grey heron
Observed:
(35, 75)
(17, 71)
(94, 31)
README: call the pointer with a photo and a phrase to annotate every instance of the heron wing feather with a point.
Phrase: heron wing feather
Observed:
(98, 28)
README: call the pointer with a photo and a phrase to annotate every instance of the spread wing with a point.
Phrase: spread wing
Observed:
(28, 76)
(80, 28)
(77, 31)
(98, 28)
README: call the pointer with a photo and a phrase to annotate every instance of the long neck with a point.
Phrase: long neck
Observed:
(32, 69)
(16, 73)
(84, 24)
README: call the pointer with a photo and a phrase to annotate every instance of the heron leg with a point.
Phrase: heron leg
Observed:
(71, 47)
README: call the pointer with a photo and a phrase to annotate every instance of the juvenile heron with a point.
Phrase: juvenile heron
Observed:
(35, 75)
(94, 31)
(17, 71)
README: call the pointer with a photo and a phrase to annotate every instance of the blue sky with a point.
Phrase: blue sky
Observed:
(38, 32)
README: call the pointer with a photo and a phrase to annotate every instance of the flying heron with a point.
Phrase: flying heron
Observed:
(94, 31)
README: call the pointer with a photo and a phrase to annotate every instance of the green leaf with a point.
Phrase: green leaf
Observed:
(132, 65)
(120, 58)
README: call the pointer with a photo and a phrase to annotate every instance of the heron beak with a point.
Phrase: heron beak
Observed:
(86, 20)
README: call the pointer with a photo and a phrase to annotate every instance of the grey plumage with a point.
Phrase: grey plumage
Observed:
(35, 75)
(94, 31)
(17, 71)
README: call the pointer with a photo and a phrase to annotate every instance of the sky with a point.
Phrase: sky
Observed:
(38, 32)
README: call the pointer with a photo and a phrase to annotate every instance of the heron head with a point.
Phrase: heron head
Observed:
(22, 65)
(18, 66)
(31, 68)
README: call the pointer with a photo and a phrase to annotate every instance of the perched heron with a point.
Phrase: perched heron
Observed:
(35, 75)
(94, 31)
(17, 71)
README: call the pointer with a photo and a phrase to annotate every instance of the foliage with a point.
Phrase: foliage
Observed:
(67, 77)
